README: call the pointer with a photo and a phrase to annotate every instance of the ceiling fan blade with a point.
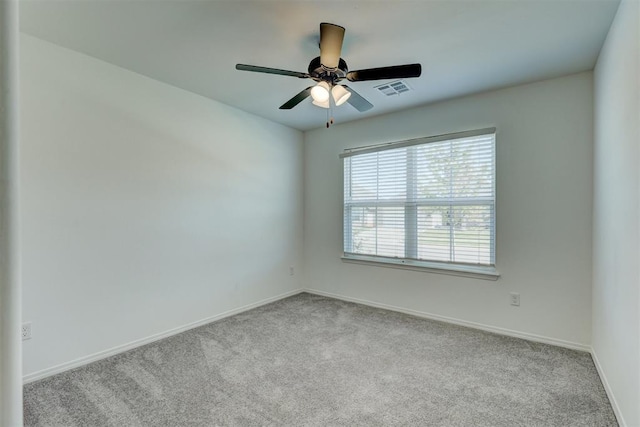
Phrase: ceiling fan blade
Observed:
(358, 102)
(331, 37)
(393, 72)
(256, 69)
(296, 99)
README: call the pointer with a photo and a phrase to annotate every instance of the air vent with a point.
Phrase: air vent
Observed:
(393, 88)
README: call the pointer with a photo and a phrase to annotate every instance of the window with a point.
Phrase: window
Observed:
(426, 203)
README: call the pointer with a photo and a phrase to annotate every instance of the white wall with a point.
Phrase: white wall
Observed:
(616, 221)
(544, 202)
(145, 207)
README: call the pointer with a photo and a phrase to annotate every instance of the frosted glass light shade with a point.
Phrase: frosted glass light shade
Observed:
(320, 92)
(340, 94)
(324, 104)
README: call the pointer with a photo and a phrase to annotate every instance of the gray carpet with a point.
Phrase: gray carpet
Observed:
(314, 361)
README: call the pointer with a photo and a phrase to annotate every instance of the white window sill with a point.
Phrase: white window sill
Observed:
(477, 272)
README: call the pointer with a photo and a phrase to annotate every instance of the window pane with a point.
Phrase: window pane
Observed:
(434, 233)
(472, 234)
(432, 201)
(391, 232)
(364, 177)
(433, 171)
(455, 169)
(363, 234)
(392, 174)
(379, 176)
(378, 231)
(472, 168)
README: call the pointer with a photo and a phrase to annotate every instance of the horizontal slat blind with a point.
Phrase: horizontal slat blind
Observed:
(433, 201)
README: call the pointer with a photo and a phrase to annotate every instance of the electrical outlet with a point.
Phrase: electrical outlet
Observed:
(26, 331)
(291, 271)
(515, 298)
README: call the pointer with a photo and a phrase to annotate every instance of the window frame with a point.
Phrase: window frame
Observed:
(481, 271)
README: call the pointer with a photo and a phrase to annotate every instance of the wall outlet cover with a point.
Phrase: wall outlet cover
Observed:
(514, 298)
(26, 331)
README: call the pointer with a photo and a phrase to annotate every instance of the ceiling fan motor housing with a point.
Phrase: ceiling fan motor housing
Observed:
(319, 72)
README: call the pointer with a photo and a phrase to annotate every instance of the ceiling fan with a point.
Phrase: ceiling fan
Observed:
(329, 69)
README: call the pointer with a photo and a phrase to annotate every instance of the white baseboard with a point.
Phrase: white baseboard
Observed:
(474, 325)
(38, 375)
(607, 389)
(502, 331)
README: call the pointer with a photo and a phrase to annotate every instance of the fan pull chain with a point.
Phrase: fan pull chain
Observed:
(330, 113)
(331, 109)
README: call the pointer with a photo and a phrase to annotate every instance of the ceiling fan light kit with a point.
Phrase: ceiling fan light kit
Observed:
(329, 69)
(320, 92)
(324, 104)
(320, 95)
(340, 95)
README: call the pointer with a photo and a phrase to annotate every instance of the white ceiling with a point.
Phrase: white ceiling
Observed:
(463, 46)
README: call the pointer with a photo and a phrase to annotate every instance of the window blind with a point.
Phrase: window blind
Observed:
(424, 200)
